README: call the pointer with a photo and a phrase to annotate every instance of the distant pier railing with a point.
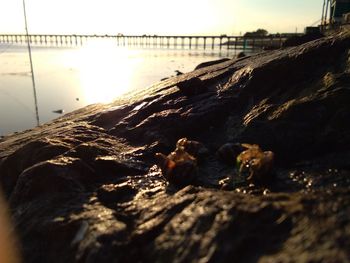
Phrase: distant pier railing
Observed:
(190, 42)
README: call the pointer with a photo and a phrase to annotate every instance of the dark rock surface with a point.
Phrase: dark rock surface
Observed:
(84, 188)
(210, 63)
(298, 40)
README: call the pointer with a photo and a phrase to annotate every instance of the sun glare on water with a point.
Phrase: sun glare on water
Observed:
(105, 70)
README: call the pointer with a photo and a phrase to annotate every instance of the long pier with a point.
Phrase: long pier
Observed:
(190, 42)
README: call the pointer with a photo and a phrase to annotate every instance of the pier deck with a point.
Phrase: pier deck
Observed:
(191, 42)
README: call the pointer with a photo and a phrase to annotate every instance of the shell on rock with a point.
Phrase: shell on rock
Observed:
(194, 148)
(256, 162)
(179, 167)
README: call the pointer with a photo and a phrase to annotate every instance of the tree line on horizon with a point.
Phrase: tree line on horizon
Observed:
(258, 33)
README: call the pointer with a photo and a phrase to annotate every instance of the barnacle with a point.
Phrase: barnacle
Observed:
(256, 162)
(179, 167)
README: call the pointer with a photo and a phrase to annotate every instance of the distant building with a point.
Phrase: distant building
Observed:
(311, 30)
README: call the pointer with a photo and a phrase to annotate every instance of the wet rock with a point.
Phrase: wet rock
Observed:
(62, 175)
(298, 40)
(88, 151)
(113, 166)
(210, 63)
(86, 184)
(111, 116)
(229, 151)
(116, 193)
(26, 156)
(192, 87)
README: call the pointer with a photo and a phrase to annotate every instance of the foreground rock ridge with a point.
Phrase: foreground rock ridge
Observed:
(85, 187)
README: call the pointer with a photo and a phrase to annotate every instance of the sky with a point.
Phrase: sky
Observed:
(161, 17)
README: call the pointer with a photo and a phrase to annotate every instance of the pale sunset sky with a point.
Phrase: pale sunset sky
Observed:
(162, 17)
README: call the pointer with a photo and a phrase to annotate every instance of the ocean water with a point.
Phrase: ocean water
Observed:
(70, 77)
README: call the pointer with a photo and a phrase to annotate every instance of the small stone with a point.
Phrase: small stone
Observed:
(266, 191)
(178, 72)
(241, 55)
(226, 183)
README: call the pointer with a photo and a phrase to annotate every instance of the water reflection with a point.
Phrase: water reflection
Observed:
(104, 71)
(73, 77)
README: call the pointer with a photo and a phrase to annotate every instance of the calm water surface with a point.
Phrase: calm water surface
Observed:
(69, 78)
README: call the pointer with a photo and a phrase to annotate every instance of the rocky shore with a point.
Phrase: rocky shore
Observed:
(86, 187)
